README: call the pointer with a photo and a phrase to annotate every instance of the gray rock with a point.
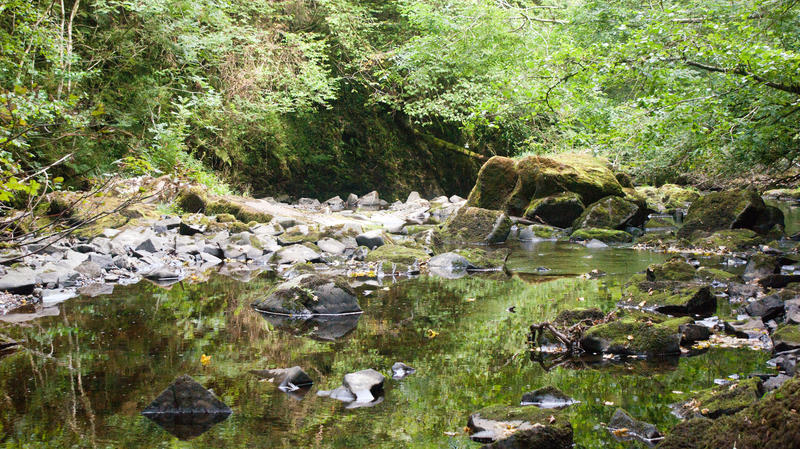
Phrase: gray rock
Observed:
(370, 201)
(692, 332)
(366, 385)
(759, 266)
(310, 294)
(151, 245)
(336, 204)
(18, 280)
(296, 254)
(190, 229)
(57, 273)
(456, 199)
(449, 262)
(213, 249)
(792, 311)
(90, 269)
(594, 243)
(401, 370)
(340, 394)
(287, 379)
(352, 201)
(370, 239)
(775, 382)
(332, 246)
(636, 428)
(209, 260)
(767, 308)
(165, 273)
(310, 203)
(103, 260)
(413, 197)
(74, 258)
(285, 222)
(124, 262)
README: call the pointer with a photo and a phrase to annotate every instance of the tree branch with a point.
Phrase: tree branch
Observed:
(789, 88)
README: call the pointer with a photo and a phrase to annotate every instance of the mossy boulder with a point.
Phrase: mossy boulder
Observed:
(729, 239)
(716, 211)
(225, 218)
(604, 235)
(786, 337)
(583, 174)
(539, 232)
(715, 274)
(192, 200)
(783, 194)
(238, 207)
(771, 423)
(558, 210)
(570, 317)
(624, 180)
(520, 427)
(611, 212)
(677, 197)
(496, 180)
(722, 399)
(675, 269)
(397, 257)
(482, 258)
(670, 297)
(476, 225)
(635, 333)
(310, 294)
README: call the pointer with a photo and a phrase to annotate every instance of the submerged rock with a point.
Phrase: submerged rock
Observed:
(186, 409)
(310, 294)
(623, 426)
(287, 379)
(401, 370)
(520, 427)
(322, 328)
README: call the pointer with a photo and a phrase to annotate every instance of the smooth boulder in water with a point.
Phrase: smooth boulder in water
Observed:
(401, 370)
(361, 389)
(310, 294)
(287, 379)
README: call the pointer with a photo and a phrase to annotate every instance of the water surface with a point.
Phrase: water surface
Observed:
(96, 365)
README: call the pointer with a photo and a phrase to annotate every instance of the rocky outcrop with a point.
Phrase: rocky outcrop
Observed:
(496, 180)
(611, 213)
(520, 427)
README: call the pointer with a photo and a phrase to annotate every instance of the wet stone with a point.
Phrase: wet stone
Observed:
(401, 370)
(767, 308)
(287, 379)
(186, 409)
(625, 427)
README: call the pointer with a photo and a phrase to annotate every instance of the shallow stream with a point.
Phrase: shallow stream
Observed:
(95, 366)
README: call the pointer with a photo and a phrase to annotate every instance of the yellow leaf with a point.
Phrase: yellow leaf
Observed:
(205, 360)
(432, 333)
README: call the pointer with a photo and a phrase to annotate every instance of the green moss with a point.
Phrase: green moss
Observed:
(610, 213)
(225, 218)
(676, 269)
(530, 414)
(715, 274)
(672, 297)
(604, 235)
(571, 317)
(583, 174)
(724, 399)
(496, 180)
(236, 207)
(689, 434)
(474, 225)
(635, 333)
(416, 229)
(192, 200)
(787, 335)
(722, 210)
(482, 258)
(557, 210)
(527, 173)
(545, 232)
(730, 239)
(401, 257)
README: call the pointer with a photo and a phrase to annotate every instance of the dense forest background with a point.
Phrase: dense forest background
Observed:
(319, 97)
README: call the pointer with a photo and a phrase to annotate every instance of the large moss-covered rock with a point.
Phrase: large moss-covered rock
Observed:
(310, 294)
(476, 225)
(556, 210)
(733, 209)
(397, 257)
(585, 175)
(636, 333)
(604, 235)
(722, 399)
(786, 337)
(677, 197)
(674, 297)
(520, 427)
(728, 239)
(496, 180)
(771, 423)
(611, 213)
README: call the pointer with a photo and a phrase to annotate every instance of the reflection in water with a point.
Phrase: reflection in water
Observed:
(83, 376)
(323, 328)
